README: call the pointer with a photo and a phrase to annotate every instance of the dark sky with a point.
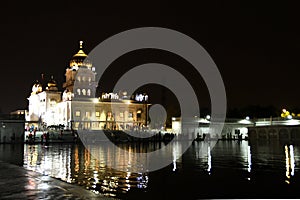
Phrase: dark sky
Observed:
(254, 45)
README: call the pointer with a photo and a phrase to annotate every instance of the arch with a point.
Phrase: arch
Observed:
(272, 133)
(262, 134)
(283, 134)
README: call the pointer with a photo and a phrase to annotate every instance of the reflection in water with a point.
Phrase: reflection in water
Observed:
(292, 159)
(290, 162)
(203, 156)
(228, 163)
(174, 159)
(74, 164)
(249, 159)
(208, 160)
(55, 163)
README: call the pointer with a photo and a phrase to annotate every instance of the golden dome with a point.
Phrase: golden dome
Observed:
(80, 59)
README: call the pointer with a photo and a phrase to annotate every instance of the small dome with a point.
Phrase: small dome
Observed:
(52, 82)
(51, 85)
(80, 59)
(37, 87)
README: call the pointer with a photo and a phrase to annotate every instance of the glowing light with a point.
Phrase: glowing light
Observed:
(244, 121)
(127, 101)
(111, 95)
(207, 117)
(291, 122)
(247, 118)
(141, 97)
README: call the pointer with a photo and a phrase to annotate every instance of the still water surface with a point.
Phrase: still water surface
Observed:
(231, 169)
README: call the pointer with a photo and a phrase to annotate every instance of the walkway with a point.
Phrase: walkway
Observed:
(19, 183)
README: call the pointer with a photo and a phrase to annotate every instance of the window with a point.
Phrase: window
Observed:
(90, 79)
(97, 114)
(87, 114)
(76, 124)
(78, 78)
(130, 115)
(87, 125)
(78, 91)
(121, 114)
(89, 92)
(77, 113)
(83, 92)
(83, 78)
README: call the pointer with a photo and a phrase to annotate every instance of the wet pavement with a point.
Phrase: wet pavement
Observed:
(19, 183)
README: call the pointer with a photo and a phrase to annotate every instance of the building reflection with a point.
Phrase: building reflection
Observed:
(174, 159)
(208, 160)
(91, 168)
(289, 162)
(176, 153)
(249, 159)
(203, 155)
(238, 153)
(55, 163)
(75, 164)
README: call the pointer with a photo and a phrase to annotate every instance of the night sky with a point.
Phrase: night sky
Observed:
(256, 46)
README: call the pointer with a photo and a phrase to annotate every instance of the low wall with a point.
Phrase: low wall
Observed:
(280, 132)
(54, 136)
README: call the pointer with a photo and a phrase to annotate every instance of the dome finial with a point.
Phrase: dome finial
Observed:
(80, 44)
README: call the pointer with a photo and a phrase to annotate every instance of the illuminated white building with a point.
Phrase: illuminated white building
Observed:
(78, 109)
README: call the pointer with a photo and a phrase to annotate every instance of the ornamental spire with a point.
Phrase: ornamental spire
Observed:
(80, 44)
